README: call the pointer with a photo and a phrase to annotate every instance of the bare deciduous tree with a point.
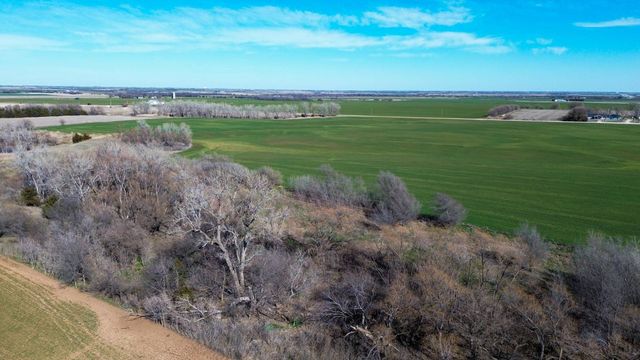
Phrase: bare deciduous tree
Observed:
(232, 217)
(392, 202)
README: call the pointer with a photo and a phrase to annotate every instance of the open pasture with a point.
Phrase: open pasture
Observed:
(565, 178)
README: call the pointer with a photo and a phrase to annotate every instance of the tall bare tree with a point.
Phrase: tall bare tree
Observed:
(231, 216)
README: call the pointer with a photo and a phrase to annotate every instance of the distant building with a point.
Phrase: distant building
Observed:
(559, 100)
(173, 95)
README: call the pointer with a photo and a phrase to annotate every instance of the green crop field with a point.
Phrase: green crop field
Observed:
(565, 178)
(36, 325)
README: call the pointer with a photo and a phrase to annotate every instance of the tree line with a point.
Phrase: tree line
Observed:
(221, 110)
(20, 111)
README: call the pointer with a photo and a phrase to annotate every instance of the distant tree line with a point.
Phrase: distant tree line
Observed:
(226, 111)
(20, 111)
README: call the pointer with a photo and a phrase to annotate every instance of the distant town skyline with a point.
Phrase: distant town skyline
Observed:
(401, 45)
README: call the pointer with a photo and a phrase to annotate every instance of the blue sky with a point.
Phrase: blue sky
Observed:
(588, 45)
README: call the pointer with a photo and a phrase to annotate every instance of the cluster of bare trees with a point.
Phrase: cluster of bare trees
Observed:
(215, 110)
(19, 111)
(387, 202)
(22, 136)
(215, 250)
(141, 108)
(168, 135)
(215, 204)
(578, 113)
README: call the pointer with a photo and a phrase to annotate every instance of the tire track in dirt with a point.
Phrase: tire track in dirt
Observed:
(138, 338)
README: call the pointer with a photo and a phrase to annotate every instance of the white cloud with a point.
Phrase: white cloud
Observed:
(296, 37)
(451, 39)
(541, 41)
(622, 22)
(553, 50)
(21, 42)
(415, 18)
(129, 30)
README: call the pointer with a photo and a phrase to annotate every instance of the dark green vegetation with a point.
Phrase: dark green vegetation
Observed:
(565, 178)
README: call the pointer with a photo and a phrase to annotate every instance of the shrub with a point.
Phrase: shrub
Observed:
(447, 210)
(391, 202)
(96, 110)
(607, 278)
(273, 176)
(67, 209)
(578, 113)
(20, 222)
(76, 138)
(29, 196)
(69, 252)
(158, 307)
(538, 249)
(330, 188)
(141, 108)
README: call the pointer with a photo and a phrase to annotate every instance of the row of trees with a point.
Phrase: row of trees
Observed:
(219, 110)
(20, 111)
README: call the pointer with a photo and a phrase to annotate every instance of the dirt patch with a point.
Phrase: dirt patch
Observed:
(537, 114)
(137, 337)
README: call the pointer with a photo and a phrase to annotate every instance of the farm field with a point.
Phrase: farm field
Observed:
(43, 319)
(566, 179)
(36, 325)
